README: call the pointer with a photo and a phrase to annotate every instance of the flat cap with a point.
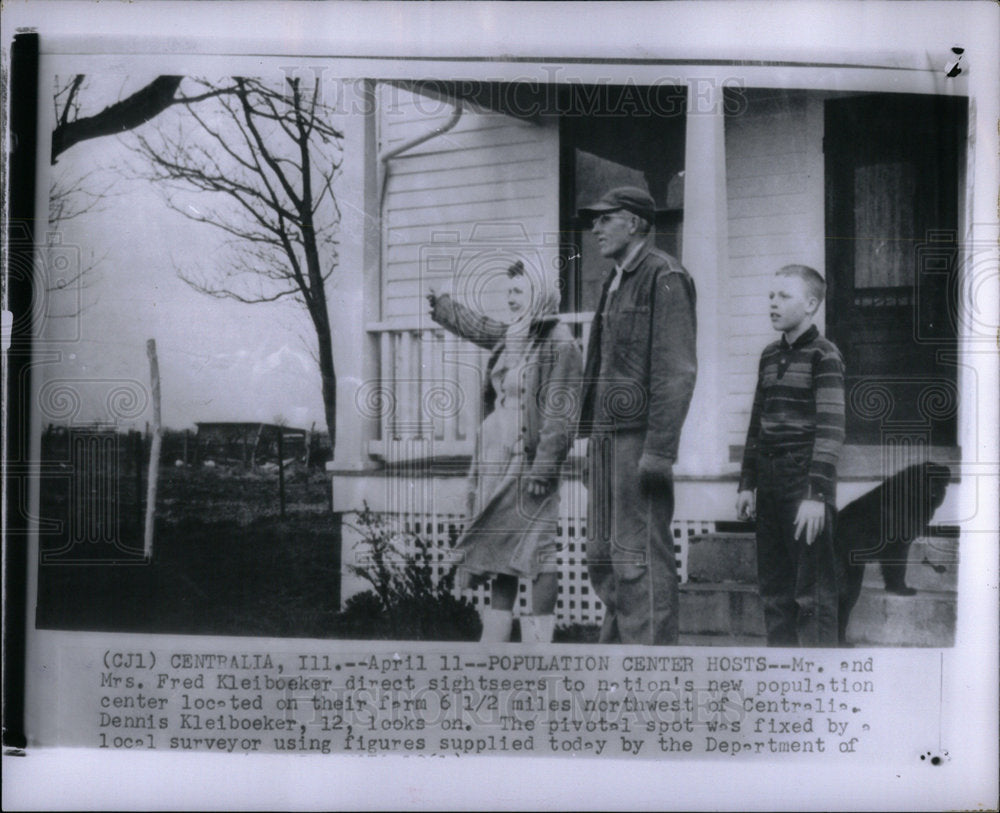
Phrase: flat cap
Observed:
(630, 198)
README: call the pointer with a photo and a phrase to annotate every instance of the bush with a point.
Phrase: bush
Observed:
(405, 601)
(577, 634)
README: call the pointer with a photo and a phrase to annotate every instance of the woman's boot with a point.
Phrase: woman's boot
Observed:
(496, 625)
(537, 629)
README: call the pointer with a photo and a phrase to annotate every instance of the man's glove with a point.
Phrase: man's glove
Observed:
(655, 473)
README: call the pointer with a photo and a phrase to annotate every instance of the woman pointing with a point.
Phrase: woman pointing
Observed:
(530, 408)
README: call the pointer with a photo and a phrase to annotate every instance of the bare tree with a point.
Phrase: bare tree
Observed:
(73, 197)
(72, 126)
(69, 199)
(263, 160)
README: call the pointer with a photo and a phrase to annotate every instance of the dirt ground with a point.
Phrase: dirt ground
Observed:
(224, 561)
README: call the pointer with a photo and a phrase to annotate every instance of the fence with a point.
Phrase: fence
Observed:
(576, 603)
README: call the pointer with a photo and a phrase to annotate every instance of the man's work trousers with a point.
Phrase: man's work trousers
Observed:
(798, 582)
(630, 550)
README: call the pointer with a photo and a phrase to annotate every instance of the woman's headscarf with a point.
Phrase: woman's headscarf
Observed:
(544, 301)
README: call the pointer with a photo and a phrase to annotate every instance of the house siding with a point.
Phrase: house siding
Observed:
(489, 169)
(774, 191)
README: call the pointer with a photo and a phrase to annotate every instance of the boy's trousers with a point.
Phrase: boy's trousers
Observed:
(798, 582)
(630, 550)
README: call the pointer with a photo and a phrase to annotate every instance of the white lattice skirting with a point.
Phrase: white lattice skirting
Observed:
(576, 603)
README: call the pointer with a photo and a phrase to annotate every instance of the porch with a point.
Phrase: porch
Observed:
(747, 190)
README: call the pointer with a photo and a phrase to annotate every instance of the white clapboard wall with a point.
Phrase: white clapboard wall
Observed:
(774, 185)
(489, 185)
(457, 211)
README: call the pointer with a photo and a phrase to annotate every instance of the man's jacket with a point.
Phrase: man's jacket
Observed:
(641, 363)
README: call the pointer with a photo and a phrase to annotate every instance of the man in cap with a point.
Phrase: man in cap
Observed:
(638, 380)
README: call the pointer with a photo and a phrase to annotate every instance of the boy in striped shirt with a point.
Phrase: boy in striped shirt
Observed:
(789, 474)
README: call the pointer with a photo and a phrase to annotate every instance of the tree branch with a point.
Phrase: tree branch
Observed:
(127, 114)
(269, 159)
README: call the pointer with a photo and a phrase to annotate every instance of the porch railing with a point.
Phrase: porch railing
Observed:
(426, 395)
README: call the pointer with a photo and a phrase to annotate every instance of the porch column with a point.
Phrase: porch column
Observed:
(704, 246)
(353, 289)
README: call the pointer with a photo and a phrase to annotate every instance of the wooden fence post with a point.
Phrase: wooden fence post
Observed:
(154, 451)
(281, 473)
(135, 441)
(256, 445)
(309, 437)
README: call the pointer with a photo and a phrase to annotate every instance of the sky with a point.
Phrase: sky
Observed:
(219, 360)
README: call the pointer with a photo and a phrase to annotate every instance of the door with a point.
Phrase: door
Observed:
(892, 164)
(613, 136)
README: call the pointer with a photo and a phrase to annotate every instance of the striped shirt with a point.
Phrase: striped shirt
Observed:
(799, 405)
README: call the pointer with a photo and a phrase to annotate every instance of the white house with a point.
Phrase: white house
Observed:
(860, 172)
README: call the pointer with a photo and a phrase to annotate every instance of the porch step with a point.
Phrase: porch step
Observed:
(932, 564)
(686, 639)
(722, 557)
(735, 611)
(720, 597)
(732, 557)
(884, 619)
(728, 608)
